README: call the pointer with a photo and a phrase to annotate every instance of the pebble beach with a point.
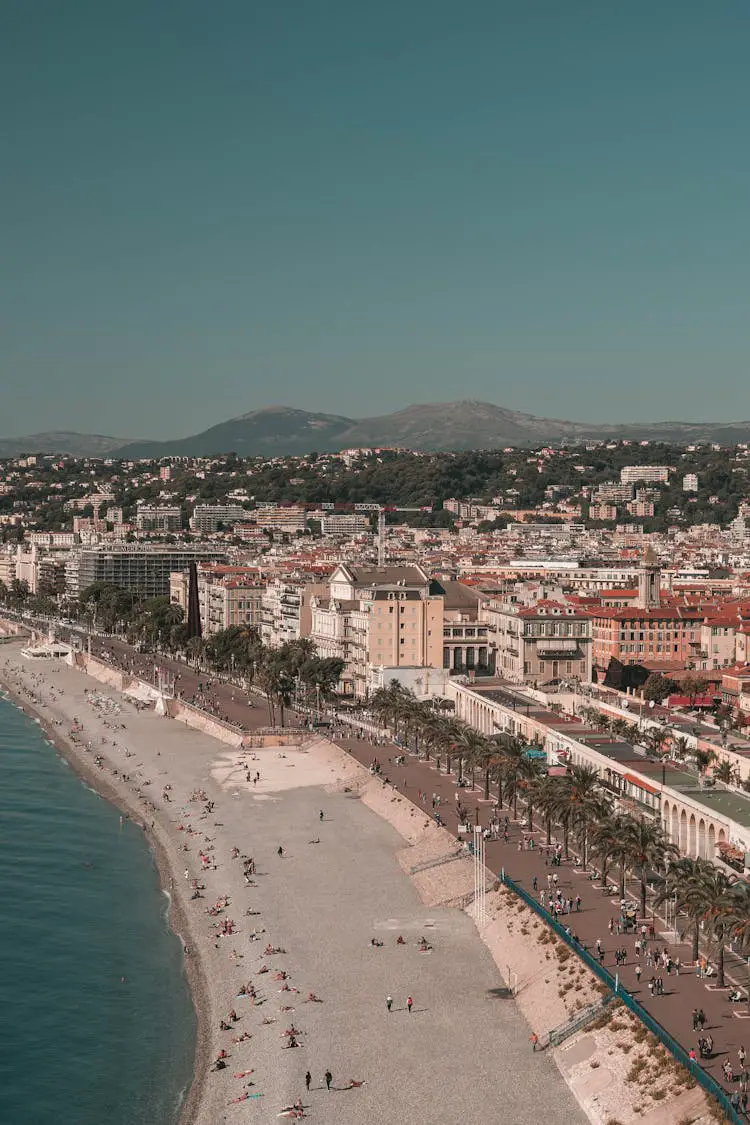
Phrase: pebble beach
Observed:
(461, 1054)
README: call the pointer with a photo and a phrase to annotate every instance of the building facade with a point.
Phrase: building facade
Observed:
(142, 567)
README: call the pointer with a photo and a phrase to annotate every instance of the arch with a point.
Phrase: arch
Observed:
(702, 853)
(711, 841)
(683, 833)
(665, 822)
(675, 833)
(692, 843)
(722, 836)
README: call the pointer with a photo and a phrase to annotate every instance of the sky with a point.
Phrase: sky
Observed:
(213, 207)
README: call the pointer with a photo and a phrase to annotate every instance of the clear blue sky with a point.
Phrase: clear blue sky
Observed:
(213, 206)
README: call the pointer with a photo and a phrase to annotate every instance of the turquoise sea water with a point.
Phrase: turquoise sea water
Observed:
(81, 909)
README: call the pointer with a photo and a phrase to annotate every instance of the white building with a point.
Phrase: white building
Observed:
(337, 523)
(632, 474)
(208, 517)
(158, 517)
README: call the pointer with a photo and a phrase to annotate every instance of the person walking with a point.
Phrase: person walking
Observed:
(280, 852)
(328, 1078)
(638, 973)
(409, 1004)
(534, 1040)
(389, 1002)
(741, 1055)
(308, 1080)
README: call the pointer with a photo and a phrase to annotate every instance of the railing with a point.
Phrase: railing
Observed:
(580, 1020)
(709, 1084)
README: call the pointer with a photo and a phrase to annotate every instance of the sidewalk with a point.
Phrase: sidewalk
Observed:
(673, 1010)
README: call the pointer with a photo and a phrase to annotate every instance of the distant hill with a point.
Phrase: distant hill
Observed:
(277, 430)
(280, 430)
(60, 441)
(442, 426)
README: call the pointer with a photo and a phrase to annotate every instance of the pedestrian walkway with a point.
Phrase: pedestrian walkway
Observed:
(595, 920)
(728, 1024)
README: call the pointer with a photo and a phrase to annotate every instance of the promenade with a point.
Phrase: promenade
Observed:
(728, 1024)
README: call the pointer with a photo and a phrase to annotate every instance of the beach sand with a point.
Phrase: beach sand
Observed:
(461, 1056)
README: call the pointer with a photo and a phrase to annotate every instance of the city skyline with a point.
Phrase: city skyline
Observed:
(210, 212)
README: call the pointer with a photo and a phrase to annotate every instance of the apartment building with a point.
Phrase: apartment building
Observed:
(158, 517)
(599, 511)
(612, 493)
(541, 643)
(285, 613)
(227, 596)
(465, 634)
(210, 517)
(143, 567)
(94, 499)
(346, 524)
(633, 474)
(378, 618)
(290, 518)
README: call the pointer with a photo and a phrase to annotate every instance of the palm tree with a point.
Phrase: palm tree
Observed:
(680, 747)
(703, 759)
(654, 739)
(741, 917)
(648, 850)
(682, 884)
(726, 772)
(609, 844)
(581, 803)
(472, 745)
(546, 796)
(531, 771)
(513, 766)
(719, 903)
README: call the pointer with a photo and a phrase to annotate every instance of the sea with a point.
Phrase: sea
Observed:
(96, 1021)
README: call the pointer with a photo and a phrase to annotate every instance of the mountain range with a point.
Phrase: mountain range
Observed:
(467, 424)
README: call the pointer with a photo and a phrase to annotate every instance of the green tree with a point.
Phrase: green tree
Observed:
(648, 851)
(658, 687)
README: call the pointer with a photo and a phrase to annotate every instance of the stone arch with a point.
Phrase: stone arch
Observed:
(702, 853)
(711, 842)
(722, 836)
(692, 843)
(683, 832)
(675, 833)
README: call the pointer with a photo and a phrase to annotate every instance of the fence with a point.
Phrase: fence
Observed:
(559, 1034)
(709, 1084)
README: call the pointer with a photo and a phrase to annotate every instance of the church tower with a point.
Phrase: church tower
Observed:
(649, 582)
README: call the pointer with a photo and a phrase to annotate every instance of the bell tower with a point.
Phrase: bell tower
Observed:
(649, 581)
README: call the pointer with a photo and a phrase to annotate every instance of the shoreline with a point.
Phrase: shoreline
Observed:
(330, 774)
(177, 918)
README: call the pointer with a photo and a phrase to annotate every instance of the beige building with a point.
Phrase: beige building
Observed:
(376, 619)
(536, 644)
(227, 595)
(465, 637)
(286, 613)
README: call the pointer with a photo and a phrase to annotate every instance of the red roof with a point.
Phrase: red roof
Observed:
(686, 701)
(640, 784)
